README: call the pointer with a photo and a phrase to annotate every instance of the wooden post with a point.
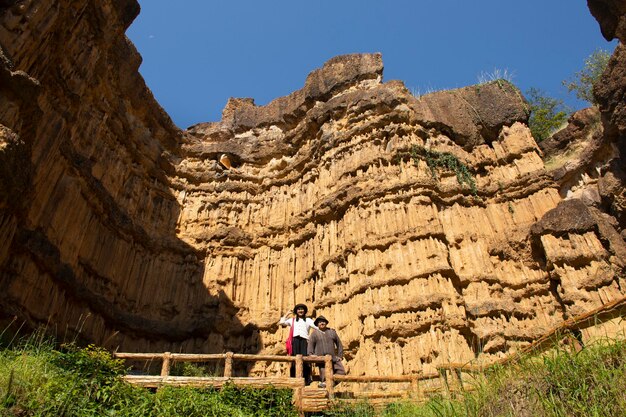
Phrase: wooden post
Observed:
(330, 381)
(299, 367)
(228, 365)
(167, 362)
(297, 401)
(415, 388)
(297, 393)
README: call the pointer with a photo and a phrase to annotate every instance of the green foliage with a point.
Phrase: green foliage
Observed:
(436, 407)
(446, 161)
(360, 409)
(37, 380)
(230, 401)
(591, 382)
(190, 369)
(546, 114)
(270, 402)
(92, 362)
(583, 81)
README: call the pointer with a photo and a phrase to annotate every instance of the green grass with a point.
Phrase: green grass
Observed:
(590, 383)
(38, 380)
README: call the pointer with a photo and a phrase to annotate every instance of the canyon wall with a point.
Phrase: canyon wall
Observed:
(426, 229)
(88, 225)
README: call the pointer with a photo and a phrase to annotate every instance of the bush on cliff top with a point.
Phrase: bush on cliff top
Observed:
(582, 82)
(547, 114)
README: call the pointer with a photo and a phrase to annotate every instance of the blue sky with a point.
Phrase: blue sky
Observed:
(197, 54)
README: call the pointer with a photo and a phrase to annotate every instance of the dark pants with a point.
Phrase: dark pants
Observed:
(299, 345)
(338, 369)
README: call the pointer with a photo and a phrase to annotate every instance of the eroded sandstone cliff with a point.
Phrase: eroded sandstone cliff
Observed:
(115, 223)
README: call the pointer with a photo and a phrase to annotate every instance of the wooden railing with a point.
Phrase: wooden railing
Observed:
(311, 400)
(304, 399)
(452, 372)
(303, 403)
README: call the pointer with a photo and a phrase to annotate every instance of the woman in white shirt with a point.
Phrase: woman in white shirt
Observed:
(301, 327)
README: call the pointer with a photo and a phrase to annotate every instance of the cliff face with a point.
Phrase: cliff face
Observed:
(610, 93)
(87, 215)
(116, 224)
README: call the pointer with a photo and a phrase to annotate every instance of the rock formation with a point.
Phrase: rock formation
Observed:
(610, 93)
(427, 230)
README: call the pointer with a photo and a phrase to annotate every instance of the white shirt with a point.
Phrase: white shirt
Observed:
(300, 327)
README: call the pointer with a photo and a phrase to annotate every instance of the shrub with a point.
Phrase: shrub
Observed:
(583, 81)
(447, 161)
(37, 380)
(547, 114)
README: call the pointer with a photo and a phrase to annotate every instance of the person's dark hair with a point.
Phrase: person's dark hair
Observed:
(319, 319)
(295, 310)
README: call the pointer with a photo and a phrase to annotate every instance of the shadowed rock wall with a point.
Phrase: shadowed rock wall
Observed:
(87, 216)
(116, 224)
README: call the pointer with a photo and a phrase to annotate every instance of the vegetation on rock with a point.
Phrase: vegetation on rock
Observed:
(547, 114)
(583, 81)
(444, 160)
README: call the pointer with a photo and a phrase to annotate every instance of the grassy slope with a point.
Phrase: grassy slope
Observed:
(591, 382)
(37, 380)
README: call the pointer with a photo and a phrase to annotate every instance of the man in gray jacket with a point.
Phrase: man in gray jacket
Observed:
(325, 341)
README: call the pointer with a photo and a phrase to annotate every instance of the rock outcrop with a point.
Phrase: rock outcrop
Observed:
(578, 157)
(610, 94)
(427, 230)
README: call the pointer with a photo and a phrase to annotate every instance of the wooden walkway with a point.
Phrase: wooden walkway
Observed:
(305, 398)
(447, 381)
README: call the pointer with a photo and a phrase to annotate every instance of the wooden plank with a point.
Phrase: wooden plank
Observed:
(314, 393)
(273, 358)
(297, 400)
(299, 367)
(314, 359)
(314, 406)
(415, 388)
(198, 357)
(202, 357)
(373, 378)
(153, 381)
(381, 394)
(433, 375)
(138, 356)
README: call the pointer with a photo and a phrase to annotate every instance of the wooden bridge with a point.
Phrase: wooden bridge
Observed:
(417, 387)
